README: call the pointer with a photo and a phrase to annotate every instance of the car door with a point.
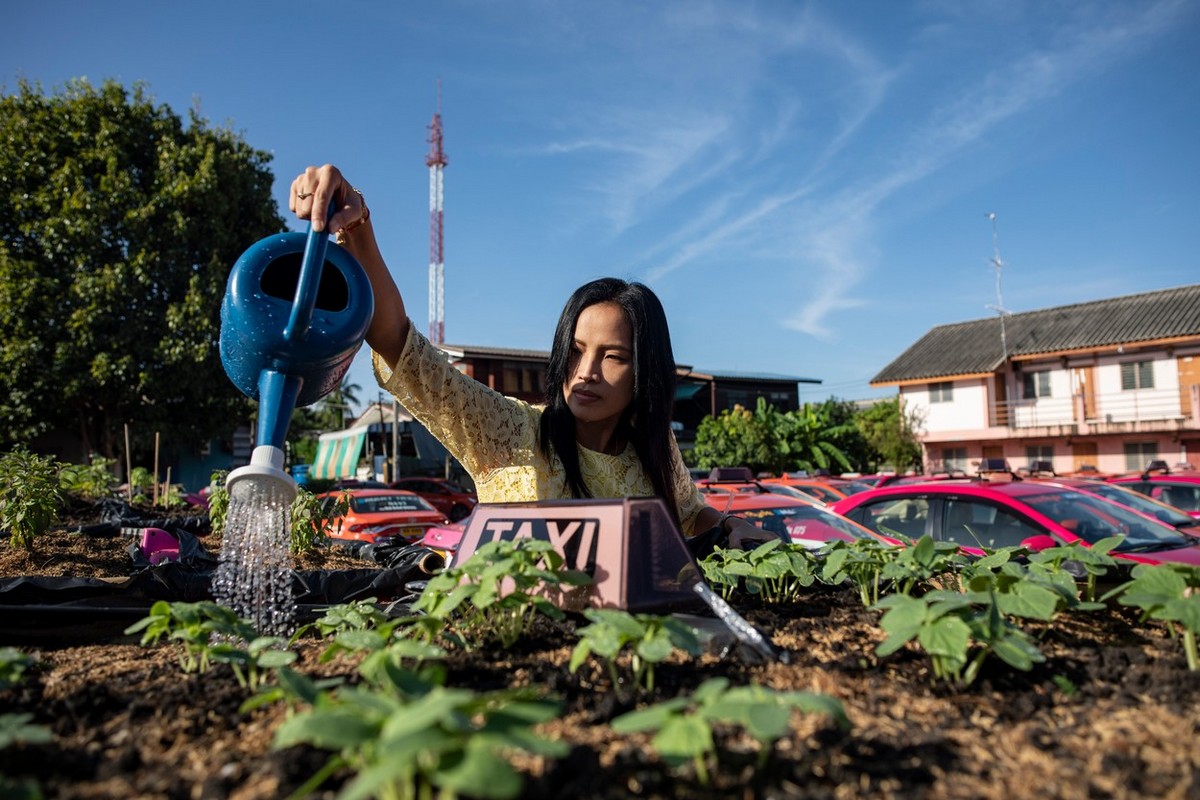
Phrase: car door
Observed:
(976, 524)
(897, 516)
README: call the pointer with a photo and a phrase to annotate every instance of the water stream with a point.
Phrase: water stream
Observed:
(254, 571)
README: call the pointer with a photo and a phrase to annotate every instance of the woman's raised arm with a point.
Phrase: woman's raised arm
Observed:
(312, 192)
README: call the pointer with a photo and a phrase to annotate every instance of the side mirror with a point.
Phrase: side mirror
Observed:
(1036, 544)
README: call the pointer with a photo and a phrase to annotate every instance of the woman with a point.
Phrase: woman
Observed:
(605, 428)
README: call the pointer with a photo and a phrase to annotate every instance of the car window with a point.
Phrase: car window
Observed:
(387, 503)
(975, 523)
(1163, 510)
(1093, 518)
(1183, 497)
(906, 517)
(799, 522)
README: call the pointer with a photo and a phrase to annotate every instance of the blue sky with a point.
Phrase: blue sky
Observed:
(807, 186)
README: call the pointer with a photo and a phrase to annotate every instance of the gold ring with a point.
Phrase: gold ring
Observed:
(304, 195)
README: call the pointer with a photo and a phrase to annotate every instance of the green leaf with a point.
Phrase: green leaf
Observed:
(480, 773)
(948, 636)
(683, 738)
(1030, 601)
(651, 718)
(331, 729)
(1017, 652)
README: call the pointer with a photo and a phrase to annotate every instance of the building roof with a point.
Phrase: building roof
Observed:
(975, 347)
(458, 352)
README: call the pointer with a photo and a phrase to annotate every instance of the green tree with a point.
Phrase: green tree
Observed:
(891, 434)
(844, 433)
(737, 438)
(119, 224)
(809, 437)
(768, 440)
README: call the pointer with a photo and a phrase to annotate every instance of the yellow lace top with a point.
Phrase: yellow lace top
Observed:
(495, 437)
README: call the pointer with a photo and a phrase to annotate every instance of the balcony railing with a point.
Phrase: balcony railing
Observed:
(1145, 406)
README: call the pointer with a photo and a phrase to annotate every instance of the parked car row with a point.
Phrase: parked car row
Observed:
(405, 510)
(994, 509)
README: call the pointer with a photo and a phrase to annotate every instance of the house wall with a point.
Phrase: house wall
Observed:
(967, 408)
(1118, 405)
(1127, 427)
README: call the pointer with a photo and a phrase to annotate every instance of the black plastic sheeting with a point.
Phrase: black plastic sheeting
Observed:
(41, 609)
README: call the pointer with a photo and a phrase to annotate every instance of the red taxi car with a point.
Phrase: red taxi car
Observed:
(1179, 489)
(804, 522)
(381, 515)
(1119, 493)
(1032, 514)
(445, 495)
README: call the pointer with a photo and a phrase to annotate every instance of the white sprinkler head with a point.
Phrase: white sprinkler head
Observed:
(265, 469)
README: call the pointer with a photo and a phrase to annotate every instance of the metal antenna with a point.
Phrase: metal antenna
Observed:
(999, 305)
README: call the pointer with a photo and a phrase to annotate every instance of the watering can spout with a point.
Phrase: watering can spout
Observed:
(277, 394)
(265, 472)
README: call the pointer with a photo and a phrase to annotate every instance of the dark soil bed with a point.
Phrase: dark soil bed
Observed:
(1112, 713)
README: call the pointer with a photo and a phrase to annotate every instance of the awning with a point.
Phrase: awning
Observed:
(686, 391)
(338, 454)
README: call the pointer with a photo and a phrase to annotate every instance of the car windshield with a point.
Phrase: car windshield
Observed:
(790, 491)
(1139, 502)
(797, 522)
(1093, 518)
(383, 504)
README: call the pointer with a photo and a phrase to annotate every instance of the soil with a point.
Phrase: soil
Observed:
(1112, 713)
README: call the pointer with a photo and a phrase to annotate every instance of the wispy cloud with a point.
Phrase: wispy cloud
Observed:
(832, 234)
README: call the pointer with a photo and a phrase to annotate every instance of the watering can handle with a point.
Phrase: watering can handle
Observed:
(308, 282)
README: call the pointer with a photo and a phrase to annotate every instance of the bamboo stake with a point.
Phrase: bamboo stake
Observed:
(128, 465)
(167, 486)
(155, 499)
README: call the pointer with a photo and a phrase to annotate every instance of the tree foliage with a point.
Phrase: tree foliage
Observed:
(834, 435)
(119, 224)
(768, 440)
(890, 433)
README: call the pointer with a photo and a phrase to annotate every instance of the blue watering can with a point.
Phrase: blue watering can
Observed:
(295, 312)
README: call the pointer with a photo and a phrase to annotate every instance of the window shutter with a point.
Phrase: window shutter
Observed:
(1128, 379)
(1145, 375)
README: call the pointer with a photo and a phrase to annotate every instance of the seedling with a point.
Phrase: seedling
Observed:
(16, 728)
(95, 481)
(648, 638)
(861, 562)
(1169, 592)
(13, 665)
(218, 501)
(207, 632)
(684, 725)
(310, 517)
(497, 592)
(407, 739)
(775, 571)
(957, 635)
(1032, 591)
(30, 497)
(923, 563)
(1083, 561)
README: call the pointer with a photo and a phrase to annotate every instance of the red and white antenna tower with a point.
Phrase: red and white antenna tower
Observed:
(436, 161)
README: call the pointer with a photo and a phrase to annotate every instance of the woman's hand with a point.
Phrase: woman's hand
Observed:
(746, 536)
(314, 189)
(311, 194)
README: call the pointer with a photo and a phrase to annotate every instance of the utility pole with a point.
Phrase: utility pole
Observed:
(1005, 371)
(436, 161)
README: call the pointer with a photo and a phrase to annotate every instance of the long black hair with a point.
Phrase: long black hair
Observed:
(646, 422)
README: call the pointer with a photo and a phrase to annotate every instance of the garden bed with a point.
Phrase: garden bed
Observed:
(1112, 712)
